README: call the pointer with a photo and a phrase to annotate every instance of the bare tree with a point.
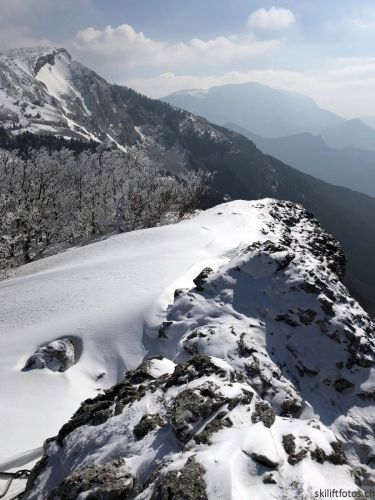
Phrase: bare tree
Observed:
(62, 197)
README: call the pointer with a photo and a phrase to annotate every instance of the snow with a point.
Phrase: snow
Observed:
(262, 374)
(102, 294)
(57, 78)
(118, 145)
(42, 102)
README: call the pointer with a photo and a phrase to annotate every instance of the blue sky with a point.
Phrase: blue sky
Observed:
(324, 49)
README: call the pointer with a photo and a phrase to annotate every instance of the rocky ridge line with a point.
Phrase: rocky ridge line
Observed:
(271, 385)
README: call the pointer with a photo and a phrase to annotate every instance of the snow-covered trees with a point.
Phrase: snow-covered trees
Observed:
(64, 197)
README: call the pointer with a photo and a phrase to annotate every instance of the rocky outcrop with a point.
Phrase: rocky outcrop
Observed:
(271, 389)
(57, 356)
(96, 482)
(183, 484)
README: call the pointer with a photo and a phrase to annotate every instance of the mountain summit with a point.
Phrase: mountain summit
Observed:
(44, 90)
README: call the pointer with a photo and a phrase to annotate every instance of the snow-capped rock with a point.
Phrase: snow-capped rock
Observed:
(57, 356)
(272, 394)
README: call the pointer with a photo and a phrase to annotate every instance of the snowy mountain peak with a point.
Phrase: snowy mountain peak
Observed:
(32, 59)
(43, 90)
(264, 358)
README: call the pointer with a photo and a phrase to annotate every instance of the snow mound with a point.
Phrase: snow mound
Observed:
(272, 394)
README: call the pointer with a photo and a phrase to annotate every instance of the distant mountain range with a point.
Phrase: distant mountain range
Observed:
(352, 168)
(261, 109)
(44, 90)
(273, 113)
(350, 134)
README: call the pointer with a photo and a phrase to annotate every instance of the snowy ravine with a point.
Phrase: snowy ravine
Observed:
(255, 381)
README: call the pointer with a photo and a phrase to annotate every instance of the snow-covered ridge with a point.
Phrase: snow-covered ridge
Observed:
(257, 382)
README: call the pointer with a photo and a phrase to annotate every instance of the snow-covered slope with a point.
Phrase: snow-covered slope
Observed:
(41, 90)
(100, 294)
(263, 380)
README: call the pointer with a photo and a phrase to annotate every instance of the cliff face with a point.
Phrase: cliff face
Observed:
(257, 382)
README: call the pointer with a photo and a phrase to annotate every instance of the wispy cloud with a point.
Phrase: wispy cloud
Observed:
(364, 25)
(124, 47)
(275, 18)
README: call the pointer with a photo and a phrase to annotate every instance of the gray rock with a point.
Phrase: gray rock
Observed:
(163, 328)
(98, 410)
(269, 479)
(221, 421)
(342, 384)
(147, 424)
(201, 280)
(337, 456)
(290, 448)
(184, 484)
(57, 356)
(179, 291)
(319, 455)
(264, 460)
(98, 482)
(263, 413)
(191, 407)
(289, 443)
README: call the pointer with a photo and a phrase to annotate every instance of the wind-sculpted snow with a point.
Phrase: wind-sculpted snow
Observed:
(257, 383)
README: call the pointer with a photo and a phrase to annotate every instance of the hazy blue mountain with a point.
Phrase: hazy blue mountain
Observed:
(352, 168)
(266, 111)
(368, 120)
(350, 134)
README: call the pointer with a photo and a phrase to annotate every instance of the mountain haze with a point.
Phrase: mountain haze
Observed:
(263, 110)
(350, 134)
(369, 121)
(352, 168)
(273, 113)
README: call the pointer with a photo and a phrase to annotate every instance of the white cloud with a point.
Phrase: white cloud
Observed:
(274, 18)
(355, 70)
(124, 47)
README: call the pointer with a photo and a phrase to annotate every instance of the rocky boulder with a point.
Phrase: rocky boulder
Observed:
(57, 356)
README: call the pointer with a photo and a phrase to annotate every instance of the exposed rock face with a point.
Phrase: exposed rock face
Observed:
(184, 484)
(202, 278)
(97, 482)
(272, 387)
(147, 424)
(57, 356)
